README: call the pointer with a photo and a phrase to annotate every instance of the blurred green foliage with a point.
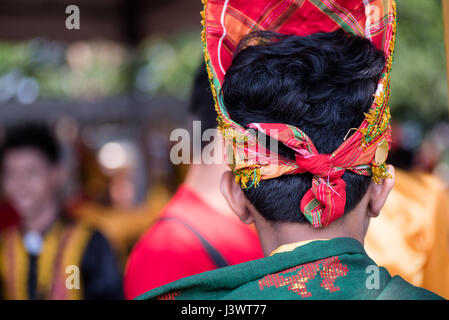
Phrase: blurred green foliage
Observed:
(167, 64)
(419, 85)
(81, 70)
(161, 65)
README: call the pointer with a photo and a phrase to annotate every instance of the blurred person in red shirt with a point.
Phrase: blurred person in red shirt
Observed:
(197, 230)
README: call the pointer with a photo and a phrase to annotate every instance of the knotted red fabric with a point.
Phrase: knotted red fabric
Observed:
(328, 188)
(325, 201)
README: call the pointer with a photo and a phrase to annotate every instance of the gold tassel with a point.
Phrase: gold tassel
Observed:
(380, 173)
(246, 175)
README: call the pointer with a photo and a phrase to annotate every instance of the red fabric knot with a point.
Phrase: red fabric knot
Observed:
(327, 194)
(325, 201)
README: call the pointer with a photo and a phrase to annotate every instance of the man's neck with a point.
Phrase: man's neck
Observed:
(272, 236)
(205, 179)
(41, 218)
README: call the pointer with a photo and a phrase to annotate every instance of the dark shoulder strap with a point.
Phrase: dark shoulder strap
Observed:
(213, 253)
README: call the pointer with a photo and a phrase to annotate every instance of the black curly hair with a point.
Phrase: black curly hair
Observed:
(322, 83)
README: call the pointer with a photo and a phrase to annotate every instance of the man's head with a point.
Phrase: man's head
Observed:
(201, 101)
(201, 106)
(30, 175)
(322, 84)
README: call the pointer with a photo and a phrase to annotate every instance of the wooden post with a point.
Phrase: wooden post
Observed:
(446, 34)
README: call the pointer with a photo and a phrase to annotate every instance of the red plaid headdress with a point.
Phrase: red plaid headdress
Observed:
(226, 22)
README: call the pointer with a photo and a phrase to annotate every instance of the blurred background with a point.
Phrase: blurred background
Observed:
(115, 89)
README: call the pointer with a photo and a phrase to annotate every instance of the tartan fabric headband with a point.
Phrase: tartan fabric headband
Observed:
(226, 22)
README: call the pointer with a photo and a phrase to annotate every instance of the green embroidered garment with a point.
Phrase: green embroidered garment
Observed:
(322, 269)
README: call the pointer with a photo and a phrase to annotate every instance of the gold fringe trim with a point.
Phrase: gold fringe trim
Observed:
(380, 173)
(222, 125)
(247, 175)
(378, 124)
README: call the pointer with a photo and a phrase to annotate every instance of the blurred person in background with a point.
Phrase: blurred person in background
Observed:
(197, 230)
(411, 236)
(124, 218)
(38, 256)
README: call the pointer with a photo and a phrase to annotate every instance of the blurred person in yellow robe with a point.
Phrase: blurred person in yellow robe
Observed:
(411, 236)
(46, 254)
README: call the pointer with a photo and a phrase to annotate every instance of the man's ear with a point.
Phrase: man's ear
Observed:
(379, 193)
(235, 197)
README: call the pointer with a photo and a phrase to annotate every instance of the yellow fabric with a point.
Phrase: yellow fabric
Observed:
(411, 236)
(73, 254)
(293, 246)
(47, 258)
(50, 281)
(14, 263)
